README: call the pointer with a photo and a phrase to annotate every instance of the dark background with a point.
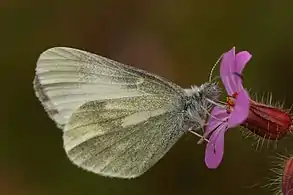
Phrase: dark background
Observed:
(179, 40)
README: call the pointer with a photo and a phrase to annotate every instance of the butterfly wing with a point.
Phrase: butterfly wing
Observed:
(66, 78)
(117, 120)
(121, 137)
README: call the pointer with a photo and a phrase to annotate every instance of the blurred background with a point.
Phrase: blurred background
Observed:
(179, 40)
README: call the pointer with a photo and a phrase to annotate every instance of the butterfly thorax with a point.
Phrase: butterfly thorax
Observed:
(199, 102)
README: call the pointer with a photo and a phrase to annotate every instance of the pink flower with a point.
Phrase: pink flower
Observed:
(236, 110)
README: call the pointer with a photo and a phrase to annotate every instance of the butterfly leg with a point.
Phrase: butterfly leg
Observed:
(202, 138)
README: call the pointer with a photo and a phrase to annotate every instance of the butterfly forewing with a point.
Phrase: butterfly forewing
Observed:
(118, 121)
(66, 78)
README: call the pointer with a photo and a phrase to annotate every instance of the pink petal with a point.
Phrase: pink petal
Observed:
(228, 84)
(218, 116)
(215, 148)
(241, 109)
(227, 62)
(218, 111)
(242, 58)
(231, 64)
(226, 69)
(237, 82)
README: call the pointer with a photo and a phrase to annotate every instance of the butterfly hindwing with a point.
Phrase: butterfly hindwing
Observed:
(121, 137)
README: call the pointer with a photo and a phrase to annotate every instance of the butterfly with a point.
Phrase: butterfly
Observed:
(117, 120)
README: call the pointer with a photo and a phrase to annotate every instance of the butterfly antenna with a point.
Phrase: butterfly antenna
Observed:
(203, 138)
(213, 68)
(216, 78)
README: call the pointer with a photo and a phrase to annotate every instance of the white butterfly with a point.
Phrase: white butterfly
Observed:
(117, 120)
